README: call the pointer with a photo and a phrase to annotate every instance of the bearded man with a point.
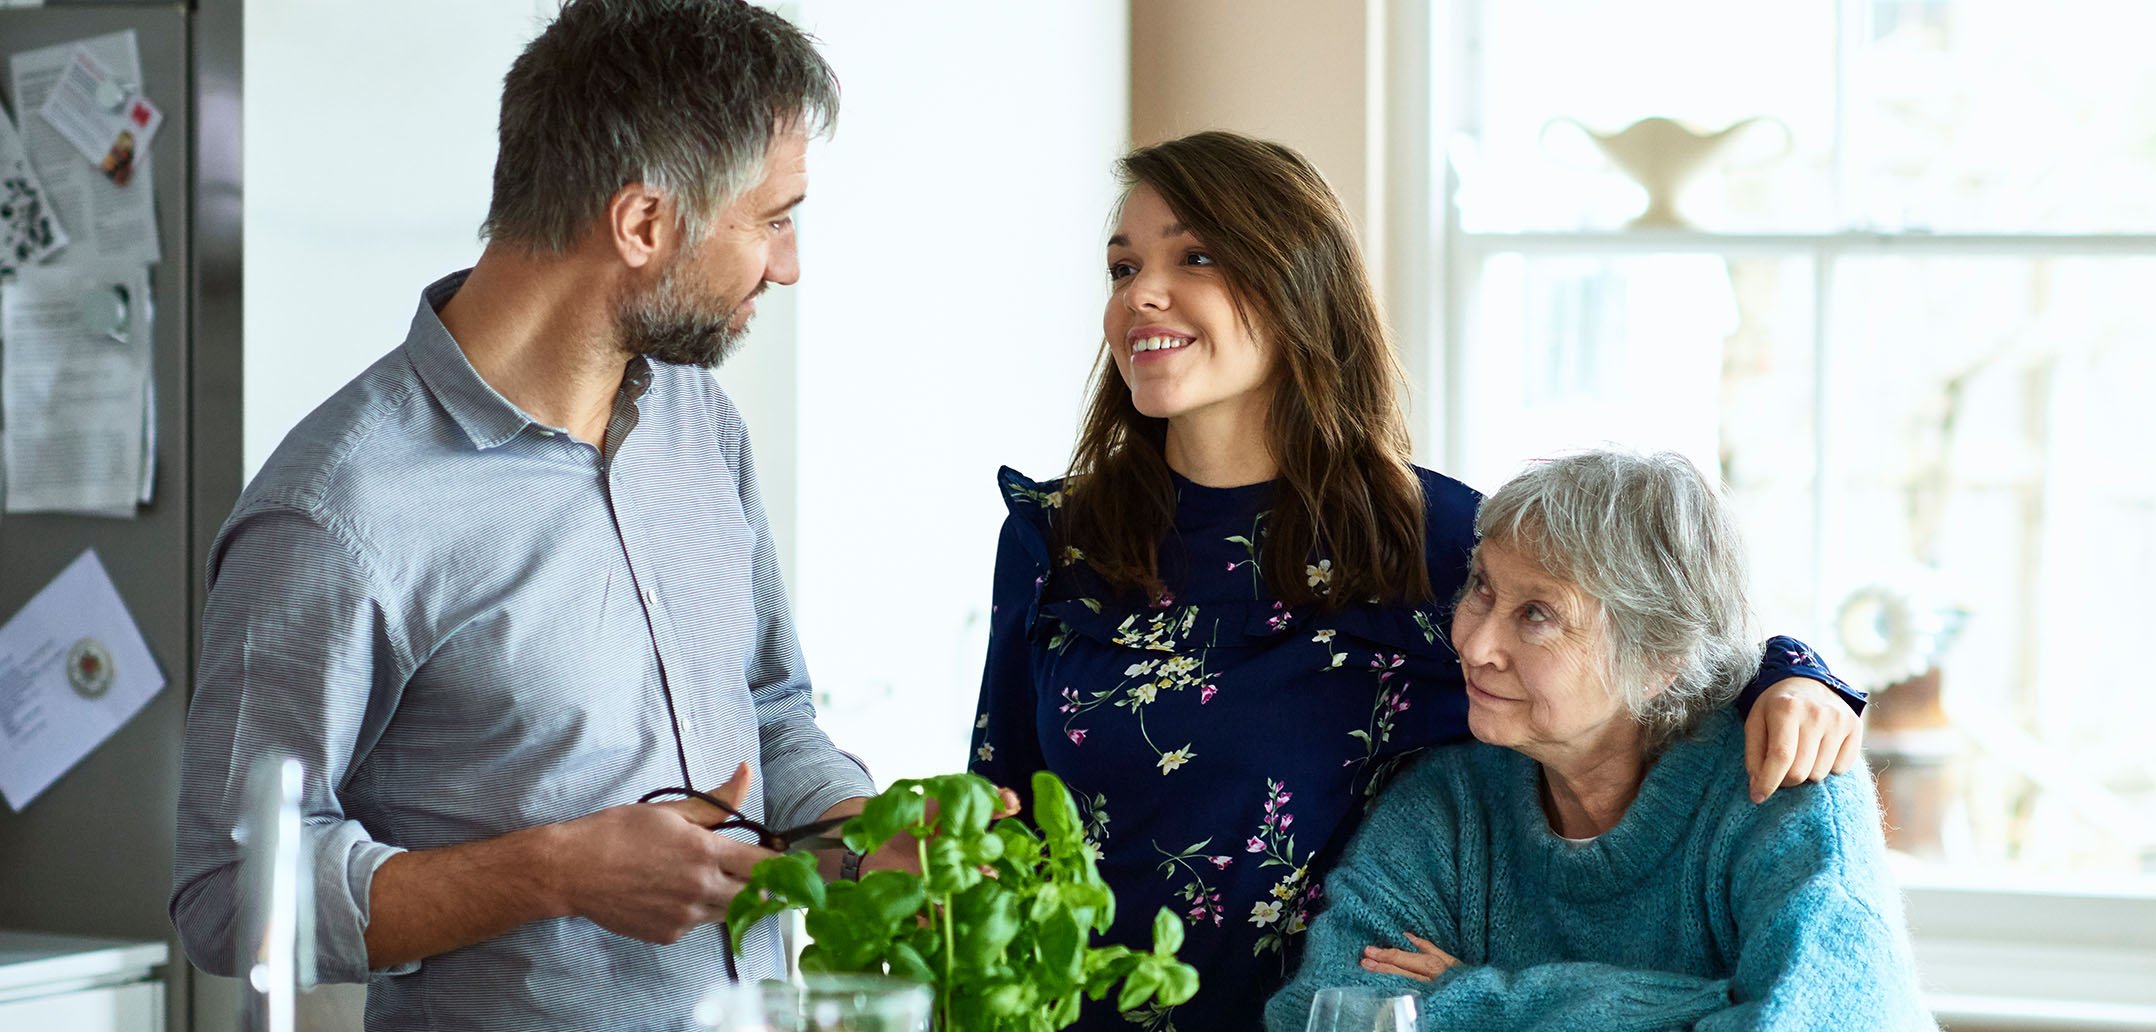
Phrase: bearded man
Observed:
(517, 573)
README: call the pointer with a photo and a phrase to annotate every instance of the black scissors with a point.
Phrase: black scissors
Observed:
(802, 838)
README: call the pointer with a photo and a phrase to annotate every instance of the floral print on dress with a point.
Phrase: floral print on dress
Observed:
(1284, 911)
(1159, 632)
(1195, 890)
(1392, 700)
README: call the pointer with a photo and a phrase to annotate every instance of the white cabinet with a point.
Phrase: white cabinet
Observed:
(79, 983)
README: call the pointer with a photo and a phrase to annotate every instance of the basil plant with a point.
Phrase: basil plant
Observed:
(998, 923)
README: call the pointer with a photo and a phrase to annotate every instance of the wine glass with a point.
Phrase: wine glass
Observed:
(1361, 1009)
(822, 1003)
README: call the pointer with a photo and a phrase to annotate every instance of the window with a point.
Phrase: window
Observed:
(1895, 308)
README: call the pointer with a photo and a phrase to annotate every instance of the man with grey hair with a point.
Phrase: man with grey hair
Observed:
(517, 574)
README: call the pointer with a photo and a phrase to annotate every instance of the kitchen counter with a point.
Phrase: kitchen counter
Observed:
(78, 982)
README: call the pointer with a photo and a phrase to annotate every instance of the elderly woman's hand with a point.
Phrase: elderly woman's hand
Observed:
(1423, 965)
(1799, 731)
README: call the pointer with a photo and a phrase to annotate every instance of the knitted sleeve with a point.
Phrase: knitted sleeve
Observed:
(1367, 900)
(1821, 938)
(1570, 995)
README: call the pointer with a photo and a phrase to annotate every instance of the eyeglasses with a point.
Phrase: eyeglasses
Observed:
(801, 838)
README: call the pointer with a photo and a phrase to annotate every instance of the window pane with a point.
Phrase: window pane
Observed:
(1984, 416)
(1990, 115)
(1703, 356)
(1706, 63)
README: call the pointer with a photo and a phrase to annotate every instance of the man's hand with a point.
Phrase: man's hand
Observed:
(1423, 965)
(1799, 731)
(654, 871)
(649, 870)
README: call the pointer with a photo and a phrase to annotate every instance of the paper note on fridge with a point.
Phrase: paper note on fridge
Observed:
(106, 219)
(29, 231)
(106, 118)
(74, 384)
(73, 668)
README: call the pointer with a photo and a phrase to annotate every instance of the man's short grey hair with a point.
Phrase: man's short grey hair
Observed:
(685, 96)
(1655, 544)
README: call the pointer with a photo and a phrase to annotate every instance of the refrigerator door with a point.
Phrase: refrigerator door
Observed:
(93, 854)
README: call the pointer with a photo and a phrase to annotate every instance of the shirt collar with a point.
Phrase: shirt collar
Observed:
(486, 417)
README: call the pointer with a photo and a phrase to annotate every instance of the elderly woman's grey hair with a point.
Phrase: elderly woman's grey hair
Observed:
(1655, 544)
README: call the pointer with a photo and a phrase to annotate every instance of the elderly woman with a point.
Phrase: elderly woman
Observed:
(1594, 862)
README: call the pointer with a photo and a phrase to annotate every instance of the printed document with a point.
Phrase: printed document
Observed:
(107, 220)
(74, 388)
(73, 668)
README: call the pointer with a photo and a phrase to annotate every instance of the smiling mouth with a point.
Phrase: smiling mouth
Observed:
(1474, 689)
(1148, 345)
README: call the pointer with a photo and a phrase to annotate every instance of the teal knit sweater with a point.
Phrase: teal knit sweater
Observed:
(1698, 910)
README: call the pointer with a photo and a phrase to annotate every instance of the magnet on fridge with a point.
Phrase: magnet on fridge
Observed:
(104, 311)
(112, 94)
(89, 668)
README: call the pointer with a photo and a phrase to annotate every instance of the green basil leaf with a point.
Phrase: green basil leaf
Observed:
(964, 802)
(1167, 933)
(1057, 815)
(1062, 949)
(970, 1012)
(898, 808)
(1008, 1001)
(750, 906)
(985, 849)
(949, 871)
(907, 963)
(1138, 987)
(1104, 966)
(1179, 982)
(890, 898)
(794, 874)
(986, 917)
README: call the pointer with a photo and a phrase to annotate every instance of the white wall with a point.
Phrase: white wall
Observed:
(368, 155)
(948, 313)
(949, 310)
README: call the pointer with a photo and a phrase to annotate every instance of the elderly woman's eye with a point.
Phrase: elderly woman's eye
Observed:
(1476, 591)
(1535, 613)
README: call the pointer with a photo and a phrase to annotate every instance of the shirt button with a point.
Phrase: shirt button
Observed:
(651, 598)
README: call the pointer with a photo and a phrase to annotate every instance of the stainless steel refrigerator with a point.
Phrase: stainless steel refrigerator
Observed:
(93, 854)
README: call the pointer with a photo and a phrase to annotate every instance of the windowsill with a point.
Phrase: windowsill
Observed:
(1699, 241)
(2030, 957)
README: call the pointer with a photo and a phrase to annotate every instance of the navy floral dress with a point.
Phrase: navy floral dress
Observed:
(1221, 745)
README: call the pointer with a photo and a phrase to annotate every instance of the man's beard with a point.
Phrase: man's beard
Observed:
(670, 324)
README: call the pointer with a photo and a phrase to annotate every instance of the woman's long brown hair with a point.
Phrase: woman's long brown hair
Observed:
(1336, 429)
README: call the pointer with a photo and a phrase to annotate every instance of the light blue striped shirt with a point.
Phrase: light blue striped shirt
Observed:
(465, 623)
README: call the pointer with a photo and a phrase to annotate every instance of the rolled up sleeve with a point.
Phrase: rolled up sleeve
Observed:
(300, 659)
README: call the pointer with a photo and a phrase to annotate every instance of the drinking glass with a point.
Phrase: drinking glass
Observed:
(823, 1003)
(1361, 1009)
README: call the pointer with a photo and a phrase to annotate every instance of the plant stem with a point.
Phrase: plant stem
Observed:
(943, 992)
(950, 951)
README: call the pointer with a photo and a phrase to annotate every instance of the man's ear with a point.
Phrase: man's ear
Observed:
(639, 225)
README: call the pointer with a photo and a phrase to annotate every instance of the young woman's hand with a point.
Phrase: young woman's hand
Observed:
(1799, 731)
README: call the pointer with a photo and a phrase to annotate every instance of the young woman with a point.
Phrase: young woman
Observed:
(1224, 627)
